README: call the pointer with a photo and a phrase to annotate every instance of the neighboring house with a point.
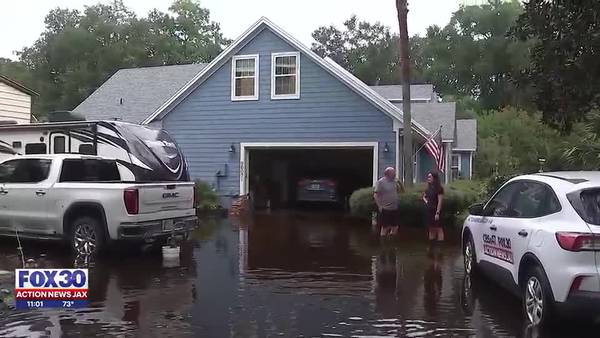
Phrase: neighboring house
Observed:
(428, 110)
(15, 101)
(267, 106)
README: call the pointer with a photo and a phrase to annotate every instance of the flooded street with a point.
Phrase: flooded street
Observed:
(285, 274)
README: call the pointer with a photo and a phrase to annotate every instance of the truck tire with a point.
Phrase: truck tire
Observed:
(87, 236)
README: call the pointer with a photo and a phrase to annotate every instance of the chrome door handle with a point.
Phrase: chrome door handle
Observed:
(3, 192)
(523, 233)
(493, 228)
(40, 193)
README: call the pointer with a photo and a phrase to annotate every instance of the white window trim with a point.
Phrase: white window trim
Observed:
(285, 96)
(256, 77)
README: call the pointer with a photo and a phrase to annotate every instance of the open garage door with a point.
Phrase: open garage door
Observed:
(289, 174)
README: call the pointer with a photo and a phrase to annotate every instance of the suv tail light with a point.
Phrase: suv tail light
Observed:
(577, 241)
(131, 197)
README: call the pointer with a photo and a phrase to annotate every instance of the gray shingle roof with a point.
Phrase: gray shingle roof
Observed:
(466, 134)
(417, 92)
(434, 115)
(142, 91)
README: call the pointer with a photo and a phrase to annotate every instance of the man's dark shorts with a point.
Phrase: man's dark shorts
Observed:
(388, 218)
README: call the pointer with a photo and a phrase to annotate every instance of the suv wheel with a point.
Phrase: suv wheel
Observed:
(470, 260)
(87, 236)
(537, 297)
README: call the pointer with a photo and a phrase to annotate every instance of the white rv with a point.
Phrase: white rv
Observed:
(149, 153)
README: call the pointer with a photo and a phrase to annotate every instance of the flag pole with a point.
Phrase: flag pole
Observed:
(429, 139)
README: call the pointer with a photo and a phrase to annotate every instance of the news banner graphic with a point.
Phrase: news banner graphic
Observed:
(51, 288)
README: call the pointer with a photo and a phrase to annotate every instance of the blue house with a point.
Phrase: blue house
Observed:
(268, 108)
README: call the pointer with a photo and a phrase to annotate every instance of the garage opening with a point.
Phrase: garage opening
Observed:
(307, 177)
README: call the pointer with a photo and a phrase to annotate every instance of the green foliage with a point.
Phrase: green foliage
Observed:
(470, 57)
(512, 141)
(369, 51)
(458, 196)
(207, 198)
(494, 183)
(582, 151)
(564, 57)
(78, 51)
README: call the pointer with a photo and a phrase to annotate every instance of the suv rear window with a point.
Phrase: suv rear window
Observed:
(89, 170)
(587, 204)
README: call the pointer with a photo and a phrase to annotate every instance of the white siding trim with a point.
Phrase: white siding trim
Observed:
(256, 77)
(245, 146)
(399, 175)
(471, 165)
(457, 149)
(290, 96)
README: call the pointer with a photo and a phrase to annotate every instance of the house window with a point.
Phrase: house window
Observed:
(455, 168)
(285, 75)
(244, 77)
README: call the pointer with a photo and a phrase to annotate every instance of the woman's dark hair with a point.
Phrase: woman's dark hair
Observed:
(436, 180)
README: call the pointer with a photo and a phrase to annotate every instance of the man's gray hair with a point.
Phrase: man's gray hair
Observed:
(388, 170)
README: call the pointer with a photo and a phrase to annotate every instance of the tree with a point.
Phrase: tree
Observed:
(582, 148)
(369, 51)
(511, 141)
(78, 51)
(565, 57)
(402, 9)
(472, 56)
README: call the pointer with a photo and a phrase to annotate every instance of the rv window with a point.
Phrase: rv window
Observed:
(89, 170)
(59, 145)
(35, 148)
(86, 149)
(24, 171)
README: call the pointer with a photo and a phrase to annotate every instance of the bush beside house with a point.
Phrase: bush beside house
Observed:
(459, 195)
(207, 199)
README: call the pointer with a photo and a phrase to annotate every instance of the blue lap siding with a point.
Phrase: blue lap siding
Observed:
(207, 122)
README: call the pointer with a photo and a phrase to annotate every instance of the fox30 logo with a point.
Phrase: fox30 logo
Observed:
(51, 279)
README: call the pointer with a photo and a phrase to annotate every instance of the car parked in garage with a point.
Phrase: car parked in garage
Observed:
(317, 190)
(539, 236)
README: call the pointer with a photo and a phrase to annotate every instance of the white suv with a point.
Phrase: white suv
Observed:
(539, 236)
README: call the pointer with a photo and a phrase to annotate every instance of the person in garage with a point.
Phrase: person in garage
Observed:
(433, 199)
(386, 197)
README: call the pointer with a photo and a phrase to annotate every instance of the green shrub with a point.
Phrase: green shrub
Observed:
(458, 196)
(494, 183)
(207, 198)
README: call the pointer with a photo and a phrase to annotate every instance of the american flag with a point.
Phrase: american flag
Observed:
(436, 148)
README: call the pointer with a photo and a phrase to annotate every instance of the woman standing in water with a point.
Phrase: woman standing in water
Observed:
(433, 198)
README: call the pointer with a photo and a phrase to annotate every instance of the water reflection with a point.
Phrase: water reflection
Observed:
(284, 274)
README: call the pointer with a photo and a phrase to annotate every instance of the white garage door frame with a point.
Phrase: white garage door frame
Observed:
(246, 146)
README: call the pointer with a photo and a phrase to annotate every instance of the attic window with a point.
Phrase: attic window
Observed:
(244, 81)
(285, 75)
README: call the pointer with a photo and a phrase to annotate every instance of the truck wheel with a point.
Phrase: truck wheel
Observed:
(87, 236)
(537, 297)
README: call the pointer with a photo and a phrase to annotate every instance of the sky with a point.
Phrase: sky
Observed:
(22, 21)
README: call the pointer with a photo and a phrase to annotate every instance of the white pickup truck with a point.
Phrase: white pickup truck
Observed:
(89, 201)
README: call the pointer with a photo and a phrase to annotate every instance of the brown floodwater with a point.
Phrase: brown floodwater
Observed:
(286, 274)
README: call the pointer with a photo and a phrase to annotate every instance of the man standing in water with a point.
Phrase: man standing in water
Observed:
(386, 198)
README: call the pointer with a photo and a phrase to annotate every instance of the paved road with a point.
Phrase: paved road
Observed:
(284, 274)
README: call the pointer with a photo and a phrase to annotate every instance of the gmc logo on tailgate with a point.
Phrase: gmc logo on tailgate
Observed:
(170, 195)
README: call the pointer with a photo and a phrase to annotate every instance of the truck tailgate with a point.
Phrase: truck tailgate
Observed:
(154, 197)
